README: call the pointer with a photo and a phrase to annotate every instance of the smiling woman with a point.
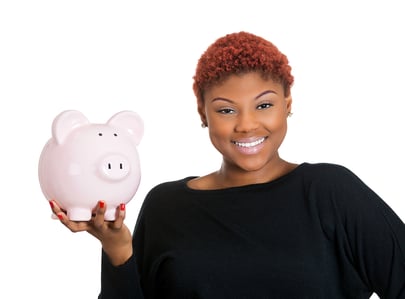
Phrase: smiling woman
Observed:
(247, 120)
(259, 226)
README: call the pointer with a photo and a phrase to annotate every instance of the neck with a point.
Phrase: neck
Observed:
(231, 176)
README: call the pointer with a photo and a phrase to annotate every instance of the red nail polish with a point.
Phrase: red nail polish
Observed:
(101, 204)
(122, 207)
(60, 216)
(51, 204)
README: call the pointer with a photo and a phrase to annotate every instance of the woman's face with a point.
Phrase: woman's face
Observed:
(247, 120)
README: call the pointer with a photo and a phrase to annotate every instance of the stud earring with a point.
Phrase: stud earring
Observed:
(203, 125)
(290, 114)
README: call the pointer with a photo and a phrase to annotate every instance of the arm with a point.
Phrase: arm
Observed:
(374, 235)
(119, 281)
(119, 275)
(377, 238)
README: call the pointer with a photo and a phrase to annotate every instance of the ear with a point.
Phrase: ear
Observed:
(65, 123)
(131, 122)
(201, 112)
(288, 100)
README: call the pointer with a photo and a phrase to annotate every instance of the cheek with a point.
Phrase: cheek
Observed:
(219, 130)
(280, 129)
(220, 134)
(275, 121)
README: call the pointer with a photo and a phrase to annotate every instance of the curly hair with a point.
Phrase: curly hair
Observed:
(239, 53)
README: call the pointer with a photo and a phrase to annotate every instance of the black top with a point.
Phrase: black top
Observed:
(317, 232)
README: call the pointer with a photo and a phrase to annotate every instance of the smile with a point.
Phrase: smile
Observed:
(249, 144)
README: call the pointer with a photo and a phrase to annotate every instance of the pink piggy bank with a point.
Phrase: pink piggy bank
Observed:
(84, 163)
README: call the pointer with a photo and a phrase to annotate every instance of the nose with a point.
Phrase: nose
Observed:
(114, 167)
(246, 122)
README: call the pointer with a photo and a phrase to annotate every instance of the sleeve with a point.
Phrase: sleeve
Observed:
(375, 236)
(120, 282)
(124, 281)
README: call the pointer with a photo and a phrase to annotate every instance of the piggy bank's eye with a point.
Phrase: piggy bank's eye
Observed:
(100, 134)
(115, 134)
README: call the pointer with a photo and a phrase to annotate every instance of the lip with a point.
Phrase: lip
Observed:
(249, 146)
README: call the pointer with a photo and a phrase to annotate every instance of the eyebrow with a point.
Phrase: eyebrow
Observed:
(255, 98)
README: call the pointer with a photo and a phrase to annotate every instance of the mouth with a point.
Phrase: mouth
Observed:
(249, 144)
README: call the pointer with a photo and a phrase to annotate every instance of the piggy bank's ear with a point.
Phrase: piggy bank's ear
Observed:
(131, 122)
(65, 122)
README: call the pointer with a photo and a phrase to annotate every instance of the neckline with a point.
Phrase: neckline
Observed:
(242, 187)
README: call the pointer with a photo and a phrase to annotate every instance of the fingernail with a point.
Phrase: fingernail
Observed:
(122, 207)
(51, 204)
(60, 216)
(101, 204)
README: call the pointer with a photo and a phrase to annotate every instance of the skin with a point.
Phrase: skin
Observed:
(115, 237)
(244, 109)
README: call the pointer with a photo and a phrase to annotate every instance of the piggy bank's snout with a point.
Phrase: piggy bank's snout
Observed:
(114, 167)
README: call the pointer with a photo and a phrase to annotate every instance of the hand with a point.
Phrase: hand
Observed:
(115, 237)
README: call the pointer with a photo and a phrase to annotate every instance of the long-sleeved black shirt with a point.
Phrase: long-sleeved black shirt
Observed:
(317, 232)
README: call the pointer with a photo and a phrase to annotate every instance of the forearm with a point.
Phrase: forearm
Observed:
(118, 255)
(120, 281)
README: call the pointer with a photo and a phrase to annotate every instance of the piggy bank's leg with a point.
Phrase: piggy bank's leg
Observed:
(110, 214)
(79, 214)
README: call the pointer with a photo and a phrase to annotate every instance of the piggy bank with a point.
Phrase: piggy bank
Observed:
(83, 163)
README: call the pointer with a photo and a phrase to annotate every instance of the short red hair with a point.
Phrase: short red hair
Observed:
(239, 53)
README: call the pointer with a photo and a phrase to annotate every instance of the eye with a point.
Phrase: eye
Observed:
(264, 106)
(226, 111)
(115, 134)
(100, 134)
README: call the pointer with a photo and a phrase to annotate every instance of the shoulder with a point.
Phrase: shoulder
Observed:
(166, 192)
(326, 168)
(337, 183)
(329, 172)
(170, 185)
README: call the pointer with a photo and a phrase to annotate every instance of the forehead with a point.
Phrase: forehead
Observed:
(245, 85)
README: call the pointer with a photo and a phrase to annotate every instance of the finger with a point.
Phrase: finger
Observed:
(98, 219)
(119, 220)
(73, 226)
(55, 206)
(55, 209)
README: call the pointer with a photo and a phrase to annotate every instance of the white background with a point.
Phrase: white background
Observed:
(101, 57)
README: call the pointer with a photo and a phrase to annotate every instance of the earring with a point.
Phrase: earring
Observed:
(203, 125)
(290, 114)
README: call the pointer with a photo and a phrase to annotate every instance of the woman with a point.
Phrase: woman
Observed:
(259, 227)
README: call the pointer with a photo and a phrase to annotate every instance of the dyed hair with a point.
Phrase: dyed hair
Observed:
(240, 53)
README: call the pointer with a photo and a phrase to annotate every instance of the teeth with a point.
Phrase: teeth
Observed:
(249, 144)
